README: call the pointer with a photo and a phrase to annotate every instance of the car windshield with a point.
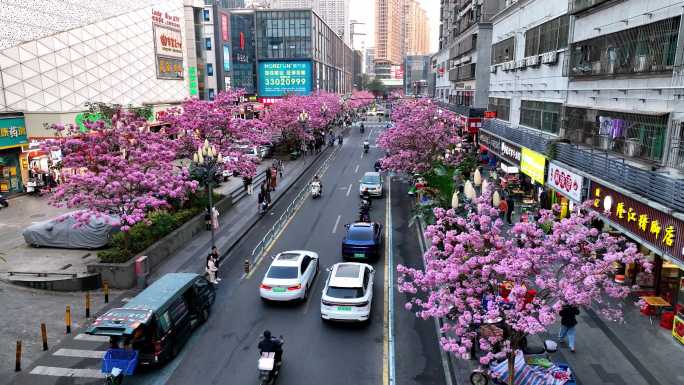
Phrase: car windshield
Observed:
(344, 292)
(360, 234)
(282, 272)
(371, 179)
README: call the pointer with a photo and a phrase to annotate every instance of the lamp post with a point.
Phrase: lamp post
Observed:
(303, 119)
(206, 162)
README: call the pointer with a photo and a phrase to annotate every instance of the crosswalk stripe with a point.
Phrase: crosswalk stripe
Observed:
(80, 353)
(88, 337)
(67, 372)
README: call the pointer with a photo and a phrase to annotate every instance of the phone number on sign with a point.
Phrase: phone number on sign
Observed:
(285, 82)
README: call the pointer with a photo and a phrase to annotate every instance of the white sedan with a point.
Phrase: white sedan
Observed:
(290, 276)
(348, 292)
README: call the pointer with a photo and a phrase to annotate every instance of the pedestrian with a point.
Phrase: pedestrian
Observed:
(248, 184)
(281, 168)
(511, 206)
(211, 270)
(303, 148)
(207, 218)
(274, 176)
(568, 323)
(260, 200)
(503, 208)
(268, 177)
(264, 185)
(215, 257)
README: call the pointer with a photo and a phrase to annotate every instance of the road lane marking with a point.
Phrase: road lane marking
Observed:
(81, 353)
(88, 337)
(337, 222)
(349, 189)
(390, 286)
(356, 169)
(67, 372)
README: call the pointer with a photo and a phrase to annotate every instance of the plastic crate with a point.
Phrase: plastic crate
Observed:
(124, 359)
(572, 380)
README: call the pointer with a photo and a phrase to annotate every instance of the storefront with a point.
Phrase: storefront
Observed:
(533, 167)
(12, 137)
(565, 188)
(661, 238)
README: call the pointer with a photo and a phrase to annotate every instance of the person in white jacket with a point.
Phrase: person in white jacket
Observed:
(211, 270)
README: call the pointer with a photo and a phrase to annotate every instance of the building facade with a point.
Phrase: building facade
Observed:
(53, 63)
(416, 29)
(416, 75)
(388, 32)
(370, 61)
(334, 12)
(594, 89)
(297, 52)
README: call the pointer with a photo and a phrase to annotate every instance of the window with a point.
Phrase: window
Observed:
(503, 51)
(211, 94)
(282, 272)
(207, 43)
(543, 116)
(305, 264)
(344, 292)
(210, 69)
(501, 106)
(547, 37)
(178, 310)
(205, 15)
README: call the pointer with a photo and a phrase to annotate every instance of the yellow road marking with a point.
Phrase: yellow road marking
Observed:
(385, 325)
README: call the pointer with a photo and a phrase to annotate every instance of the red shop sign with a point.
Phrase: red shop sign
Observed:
(662, 231)
(224, 26)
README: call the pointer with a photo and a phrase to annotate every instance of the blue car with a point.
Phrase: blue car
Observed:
(363, 241)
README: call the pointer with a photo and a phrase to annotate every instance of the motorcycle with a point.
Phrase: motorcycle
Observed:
(363, 129)
(263, 207)
(315, 189)
(366, 146)
(268, 370)
(3, 202)
(364, 216)
(339, 140)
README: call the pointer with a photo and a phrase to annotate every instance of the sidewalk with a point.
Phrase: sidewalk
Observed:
(26, 308)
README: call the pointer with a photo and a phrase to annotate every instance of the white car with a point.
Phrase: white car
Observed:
(348, 292)
(290, 276)
(373, 182)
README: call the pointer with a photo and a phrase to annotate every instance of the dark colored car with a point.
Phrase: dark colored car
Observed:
(363, 241)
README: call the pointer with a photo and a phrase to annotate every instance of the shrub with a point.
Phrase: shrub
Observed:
(123, 246)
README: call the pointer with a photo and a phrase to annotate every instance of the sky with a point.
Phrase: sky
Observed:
(363, 10)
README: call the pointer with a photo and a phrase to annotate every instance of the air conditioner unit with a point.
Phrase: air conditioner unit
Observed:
(549, 57)
(492, 69)
(532, 61)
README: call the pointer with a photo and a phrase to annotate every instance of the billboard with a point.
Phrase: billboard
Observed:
(279, 77)
(168, 45)
(226, 57)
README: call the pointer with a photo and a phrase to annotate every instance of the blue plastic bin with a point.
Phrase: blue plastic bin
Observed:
(124, 359)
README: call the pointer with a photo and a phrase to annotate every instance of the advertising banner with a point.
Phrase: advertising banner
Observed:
(168, 42)
(511, 153)
(664, 232)
(12, 132)
(566, 182)
(277, 78)
(192, 81)
(224, 27)
(533, 164)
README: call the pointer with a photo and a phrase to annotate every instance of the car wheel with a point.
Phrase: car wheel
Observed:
(306, 293)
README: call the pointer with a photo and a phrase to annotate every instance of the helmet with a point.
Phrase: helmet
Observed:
(267, 334)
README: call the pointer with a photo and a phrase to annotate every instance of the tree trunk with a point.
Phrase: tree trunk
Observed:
(511, 368)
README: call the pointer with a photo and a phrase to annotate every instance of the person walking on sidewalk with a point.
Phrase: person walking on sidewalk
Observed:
(215, 258)
(281, 168)
(274, 176)
(247, 182)
(510, 207)
(568, 323)
(267, 172)
(211, 270)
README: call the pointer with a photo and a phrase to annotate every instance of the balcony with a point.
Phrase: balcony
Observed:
(649, 49)
(577, 6)
(532, 139)
(462, 109)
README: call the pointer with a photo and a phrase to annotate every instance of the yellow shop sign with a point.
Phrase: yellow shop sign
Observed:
(533, 164)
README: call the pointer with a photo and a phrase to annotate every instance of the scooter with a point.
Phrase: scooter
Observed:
(315, 190)
(366, 146)
(3, 202)
(263, 207)
(364, 215)
(268, 370)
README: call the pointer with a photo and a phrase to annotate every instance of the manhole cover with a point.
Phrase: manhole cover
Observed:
(37, 216)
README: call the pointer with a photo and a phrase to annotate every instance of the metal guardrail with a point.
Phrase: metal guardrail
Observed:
(13, 273)
(240, 192)
(288, 213)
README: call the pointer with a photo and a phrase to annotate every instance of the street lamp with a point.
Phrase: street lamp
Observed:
(206, 163)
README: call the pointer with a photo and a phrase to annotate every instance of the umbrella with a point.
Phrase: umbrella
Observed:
(477, 177)
(454, 200)
(469, 190)
(496, 199)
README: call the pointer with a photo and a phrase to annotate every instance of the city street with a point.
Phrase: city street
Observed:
(225, 349)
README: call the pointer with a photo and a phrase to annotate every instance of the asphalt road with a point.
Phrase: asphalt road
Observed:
(224, 350)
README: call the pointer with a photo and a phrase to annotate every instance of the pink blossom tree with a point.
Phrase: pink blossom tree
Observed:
(421, 136)
(123, 169)
(220, 122)
(494, 287)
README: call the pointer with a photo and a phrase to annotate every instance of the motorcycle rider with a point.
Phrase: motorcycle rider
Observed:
(362, 127)
(365, 196)
(377, 166)
(316, 179)
(272, 345)
(366, 145)
(339, 139)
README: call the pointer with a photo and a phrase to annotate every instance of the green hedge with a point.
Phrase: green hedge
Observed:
(123, 246)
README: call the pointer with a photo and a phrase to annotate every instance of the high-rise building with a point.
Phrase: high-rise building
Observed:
(231, 3)
(388, 32)
(370, 61)
(416, 29)
(334, 12)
